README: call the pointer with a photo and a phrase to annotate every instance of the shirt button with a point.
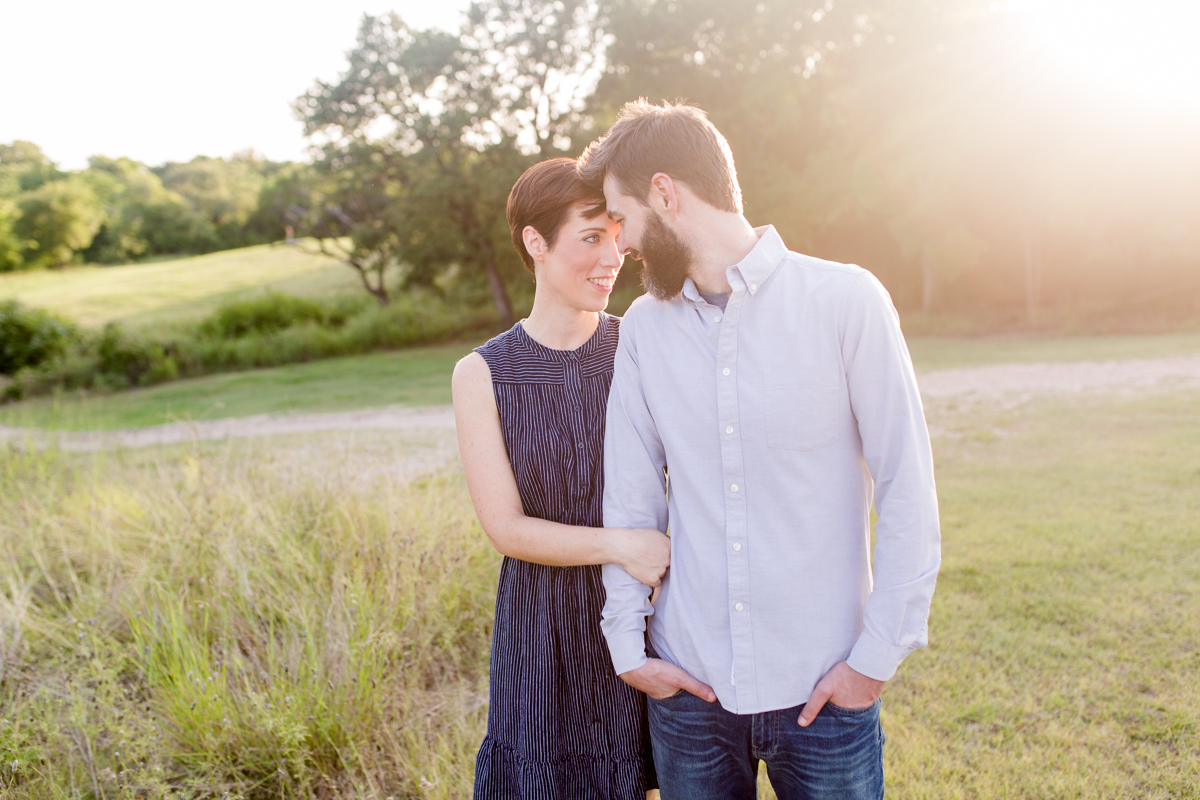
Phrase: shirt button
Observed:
(729, 429)
(733, 488)
(725, 371)
(737, 546)
(716, 319)
(754, 287)
(738, 606)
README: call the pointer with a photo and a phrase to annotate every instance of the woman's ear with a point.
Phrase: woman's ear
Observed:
(535, 245)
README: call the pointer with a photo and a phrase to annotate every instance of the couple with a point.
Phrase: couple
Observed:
(776, 393)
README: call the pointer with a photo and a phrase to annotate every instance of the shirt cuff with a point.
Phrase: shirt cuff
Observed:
(628, 650)
(876, 659)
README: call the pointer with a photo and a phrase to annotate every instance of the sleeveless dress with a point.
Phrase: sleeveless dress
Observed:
(561, 724)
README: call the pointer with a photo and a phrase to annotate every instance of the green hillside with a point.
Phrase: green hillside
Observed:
(176, 290)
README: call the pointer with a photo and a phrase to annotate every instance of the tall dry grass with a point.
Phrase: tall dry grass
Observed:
(197, 626)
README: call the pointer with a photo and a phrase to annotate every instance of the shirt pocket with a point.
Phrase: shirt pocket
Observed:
(802, 417)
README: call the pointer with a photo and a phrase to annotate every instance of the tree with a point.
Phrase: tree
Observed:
(426, 133)
(57, 219)
(141, 216)
(222, 193)
(10, 244)
(24, 167)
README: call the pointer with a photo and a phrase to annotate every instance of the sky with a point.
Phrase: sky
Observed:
(166, 81)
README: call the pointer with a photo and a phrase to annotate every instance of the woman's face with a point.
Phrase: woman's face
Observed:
(583, 264)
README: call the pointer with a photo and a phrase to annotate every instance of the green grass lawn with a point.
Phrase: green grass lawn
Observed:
(192, 624)
(943, 352)
(421, 376)
(416, 377)
(178, 289)
(1065, 636)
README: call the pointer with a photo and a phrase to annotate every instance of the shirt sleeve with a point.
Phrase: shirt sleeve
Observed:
(895, 440)
(634, 497)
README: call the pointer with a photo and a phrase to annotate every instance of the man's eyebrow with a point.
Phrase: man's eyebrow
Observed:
(613, 214)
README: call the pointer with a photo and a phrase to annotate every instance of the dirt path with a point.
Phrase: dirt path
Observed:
(1005, 382)
(394, 418)
(1014, 381)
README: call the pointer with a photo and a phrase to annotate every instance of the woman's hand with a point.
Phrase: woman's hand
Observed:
(644, 553)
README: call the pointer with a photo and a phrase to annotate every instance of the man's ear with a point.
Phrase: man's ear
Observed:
(664, 195)
(535, 245)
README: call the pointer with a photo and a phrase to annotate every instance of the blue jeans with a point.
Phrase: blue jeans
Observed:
(703, 752)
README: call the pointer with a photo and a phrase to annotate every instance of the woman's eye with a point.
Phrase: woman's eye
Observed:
(593, 238)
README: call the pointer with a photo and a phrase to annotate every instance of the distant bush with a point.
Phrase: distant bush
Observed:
(262, 332)
(29, 337)
(275, 312)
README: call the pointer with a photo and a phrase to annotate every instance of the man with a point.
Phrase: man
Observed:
(776, 392)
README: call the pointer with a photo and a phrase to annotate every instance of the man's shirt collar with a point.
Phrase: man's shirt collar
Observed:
(751, 272)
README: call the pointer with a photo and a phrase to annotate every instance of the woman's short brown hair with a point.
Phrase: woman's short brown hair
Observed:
(672, 138)
(543, 197)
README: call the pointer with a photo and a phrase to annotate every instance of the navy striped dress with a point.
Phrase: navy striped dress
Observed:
(561, 724)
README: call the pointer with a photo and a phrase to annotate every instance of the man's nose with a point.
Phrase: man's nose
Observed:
(622, 246)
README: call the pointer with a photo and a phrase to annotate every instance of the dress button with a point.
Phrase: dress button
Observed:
(733, 488)
(738, 606)
(729, 429)
(725, 371)
(737, 546)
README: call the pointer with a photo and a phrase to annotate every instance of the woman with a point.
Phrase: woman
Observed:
(529, 406)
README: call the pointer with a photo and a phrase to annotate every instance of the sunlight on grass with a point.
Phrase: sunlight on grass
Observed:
(419, 376)
(943, 352)
(192, 627)
(187, 621)
(175, 290)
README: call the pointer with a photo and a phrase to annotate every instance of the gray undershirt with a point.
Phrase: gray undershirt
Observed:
(718, 299)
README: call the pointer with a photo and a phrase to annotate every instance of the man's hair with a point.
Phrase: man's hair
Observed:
(543, 197)
(672, 138)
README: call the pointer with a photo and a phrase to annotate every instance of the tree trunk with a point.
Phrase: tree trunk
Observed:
(495, 283)
(928, 281)
(1033, 273)
(487, 260)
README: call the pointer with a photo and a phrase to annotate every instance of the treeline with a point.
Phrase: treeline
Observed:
(923, 139)
(119, 210)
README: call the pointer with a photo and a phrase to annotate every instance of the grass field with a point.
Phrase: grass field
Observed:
(177, 290)
(421, 376)
(187, 622)
(418, 376)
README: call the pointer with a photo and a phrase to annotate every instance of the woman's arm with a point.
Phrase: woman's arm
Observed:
(645, 554)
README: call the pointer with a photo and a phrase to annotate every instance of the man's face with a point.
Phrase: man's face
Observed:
(665, 256)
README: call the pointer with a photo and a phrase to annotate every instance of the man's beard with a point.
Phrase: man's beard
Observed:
(665, 259)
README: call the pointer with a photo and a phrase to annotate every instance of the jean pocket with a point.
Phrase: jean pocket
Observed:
(853, 712)
(675, 696)
(802, 417)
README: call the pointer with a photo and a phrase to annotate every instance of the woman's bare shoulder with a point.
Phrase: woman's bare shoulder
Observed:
(471, 375)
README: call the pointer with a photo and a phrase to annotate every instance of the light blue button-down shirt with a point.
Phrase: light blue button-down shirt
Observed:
(779, 421)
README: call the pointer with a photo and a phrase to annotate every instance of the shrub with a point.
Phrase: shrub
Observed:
(263, 332)
(29, 337)
(124, 360)
(269, 313)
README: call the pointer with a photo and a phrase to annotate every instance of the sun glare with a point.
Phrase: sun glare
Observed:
(1146, 48)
